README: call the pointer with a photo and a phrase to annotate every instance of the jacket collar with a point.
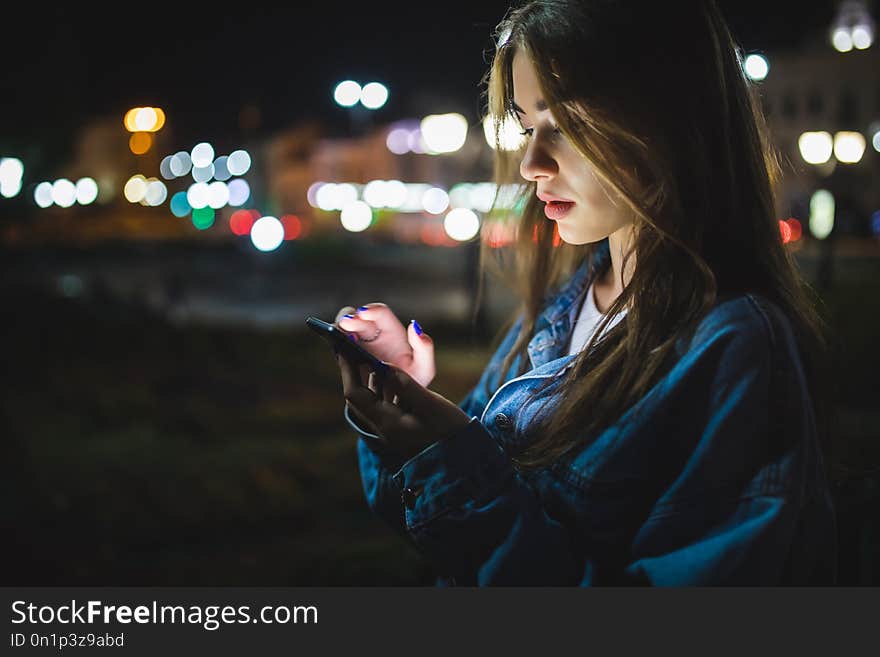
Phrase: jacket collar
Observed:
(553, 326)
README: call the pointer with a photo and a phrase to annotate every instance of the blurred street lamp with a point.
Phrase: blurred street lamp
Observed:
(852, 27)
(756, 67)
(815, 147)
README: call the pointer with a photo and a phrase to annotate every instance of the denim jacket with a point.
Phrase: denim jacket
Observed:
(714, 477)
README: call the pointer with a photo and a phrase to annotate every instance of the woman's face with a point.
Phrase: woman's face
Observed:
(559, 170)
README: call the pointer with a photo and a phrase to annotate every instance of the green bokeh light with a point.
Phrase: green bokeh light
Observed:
(203, 218)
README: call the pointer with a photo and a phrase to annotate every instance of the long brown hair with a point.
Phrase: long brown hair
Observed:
(655, 97)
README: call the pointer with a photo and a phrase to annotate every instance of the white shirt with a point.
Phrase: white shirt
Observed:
(587, 321)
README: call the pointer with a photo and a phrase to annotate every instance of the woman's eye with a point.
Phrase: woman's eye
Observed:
(528, 132)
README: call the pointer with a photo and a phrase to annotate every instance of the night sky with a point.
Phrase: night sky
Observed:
(202, 65)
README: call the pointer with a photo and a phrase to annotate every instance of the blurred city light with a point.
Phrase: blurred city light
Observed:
(86, 191)
(875, 224)
(356, 216)
(11, 173)
(238, 162)
(374, 95)
(156, 192)
(181, 163)
(135, 188)
(347, 93)
(140, 142)
(197, 195)
(144, 119)
(821, 213)
(756, 67)
(796, 229)
(221, 172)
(180, 207)
(461, 224)
(852, 26)
(239, 192)
(875, 140)
(397, 141)
(293, 227)
(435, 201)
(218, 194)
(267, 233)
(203, 173)
(862, 36)
(63, 193)
(849, 147)
(842, 40)
(202, 154)
(43, 194)
(241, 221)
(312, 193)
(165, 168)
(203, 218)
(444, 133)
(511, 136)
(815, 147)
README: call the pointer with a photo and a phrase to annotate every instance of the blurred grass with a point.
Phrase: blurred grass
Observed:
(140, 453)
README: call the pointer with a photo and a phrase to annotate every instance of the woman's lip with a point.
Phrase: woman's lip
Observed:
(556, 210)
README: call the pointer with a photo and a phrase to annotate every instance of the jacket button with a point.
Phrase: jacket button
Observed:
(408, 497)
(503, 422)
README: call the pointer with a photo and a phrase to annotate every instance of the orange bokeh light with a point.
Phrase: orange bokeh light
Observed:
(140, 142)
(292, 226)
(796, 228)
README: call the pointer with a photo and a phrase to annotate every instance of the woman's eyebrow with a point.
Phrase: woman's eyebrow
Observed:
(539, 106)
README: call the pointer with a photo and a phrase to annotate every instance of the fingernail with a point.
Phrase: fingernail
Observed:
(416, 327)
(349, 316)
(362, 308)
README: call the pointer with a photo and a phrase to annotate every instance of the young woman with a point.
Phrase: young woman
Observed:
(654, 412)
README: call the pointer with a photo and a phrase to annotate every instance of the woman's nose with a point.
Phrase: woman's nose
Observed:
(537, 162)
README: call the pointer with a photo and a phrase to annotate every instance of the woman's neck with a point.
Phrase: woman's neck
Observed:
(608, 286)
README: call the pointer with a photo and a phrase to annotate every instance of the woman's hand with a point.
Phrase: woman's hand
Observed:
(380, 332)
(405, 414)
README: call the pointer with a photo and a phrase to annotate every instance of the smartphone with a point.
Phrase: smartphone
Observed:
(343, 341)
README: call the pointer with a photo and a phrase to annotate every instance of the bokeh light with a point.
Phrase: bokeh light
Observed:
(180, 207)
(165, 168)
(842, 39)
(241, 221)
(756, 67)
(156, 192)
(239, 192)
(238, 162)
(397, 141)
(292, 226)
(435, 200)
(86, 191)
(203, 173)
(218, 194)
(267, 233)
(347, 93)
(849, 146)
(821, 213)
(63, 193)
(202, 154)
(461, 224)
(356, 216)
(135, 188)
(203, 218)
(140, 142)
(181, 164)
(197, 195)
(444, 133)
(43, 194)
(816, 147)
(374, 95)
(221, 172)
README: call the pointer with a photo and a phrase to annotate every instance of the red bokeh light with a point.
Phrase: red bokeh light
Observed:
(242, 221)
(796, 228)
(292, 226)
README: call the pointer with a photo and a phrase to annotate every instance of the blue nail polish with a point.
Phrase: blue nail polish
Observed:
(349, 316)
(362, 308)
(417, 327)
